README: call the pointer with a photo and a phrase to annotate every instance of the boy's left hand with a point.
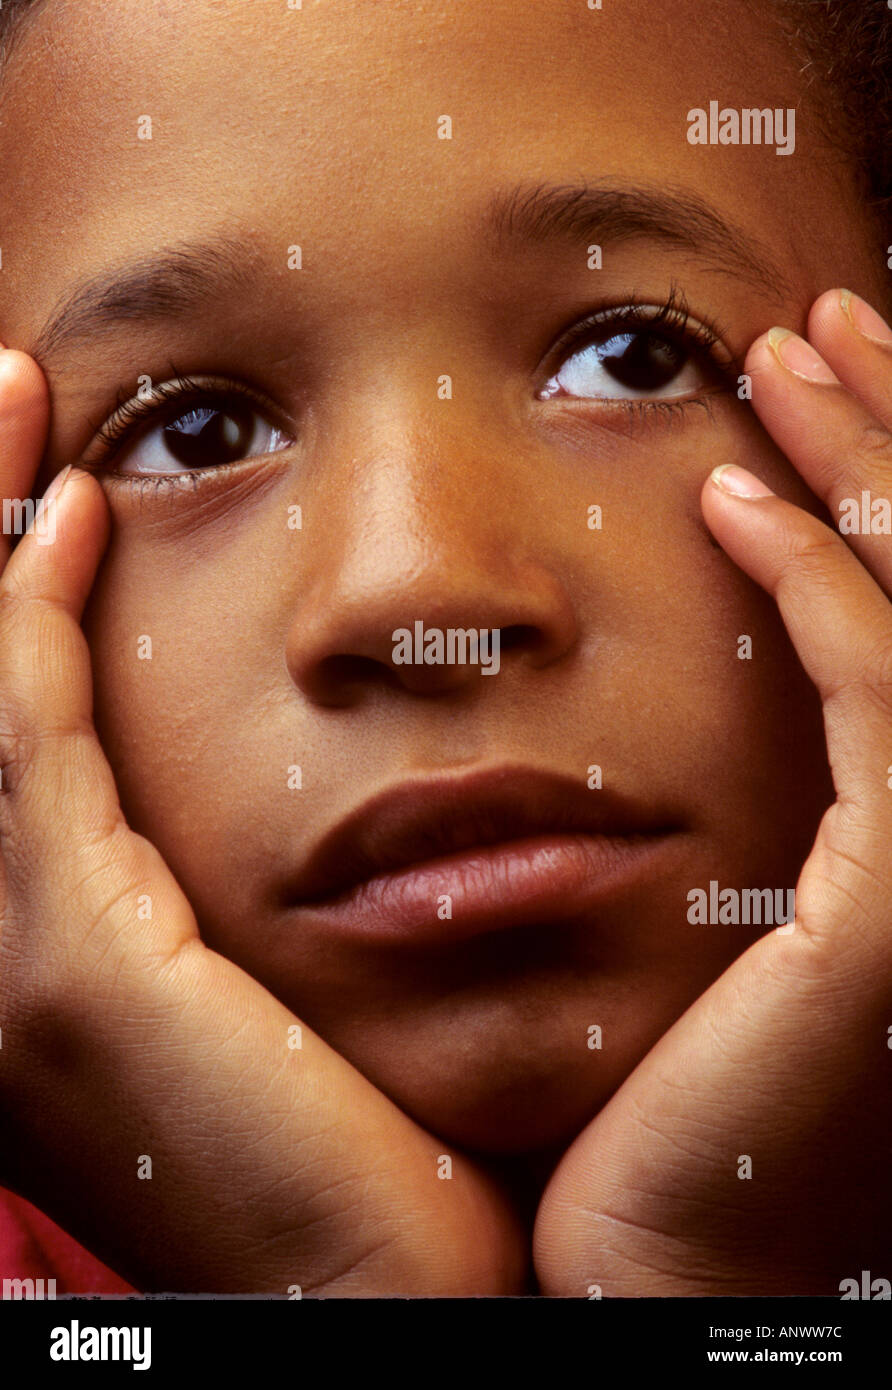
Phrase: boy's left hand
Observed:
(786, 1060)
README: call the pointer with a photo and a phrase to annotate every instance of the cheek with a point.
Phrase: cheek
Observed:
(714, 699)
(172, 665)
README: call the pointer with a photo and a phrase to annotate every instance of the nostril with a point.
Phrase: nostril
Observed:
(338, 672)
(353, 667)
(425, 661)
(521, 635)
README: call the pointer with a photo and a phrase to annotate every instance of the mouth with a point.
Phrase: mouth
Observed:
(449, 858)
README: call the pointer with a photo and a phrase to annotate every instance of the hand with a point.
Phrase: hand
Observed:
(123, 1036)
(786, 1058)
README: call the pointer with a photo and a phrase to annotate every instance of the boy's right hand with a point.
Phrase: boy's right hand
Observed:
(124, 1038)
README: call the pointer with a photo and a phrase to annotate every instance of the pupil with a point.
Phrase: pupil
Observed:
(207, 435)
(642, 361)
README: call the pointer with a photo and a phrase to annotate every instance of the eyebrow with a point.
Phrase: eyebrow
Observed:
(679, 216)
(180, 280)
(171, 283)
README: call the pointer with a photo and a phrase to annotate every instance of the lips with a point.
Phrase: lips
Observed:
(457, 856)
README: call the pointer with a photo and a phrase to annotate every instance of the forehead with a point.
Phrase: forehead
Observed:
(323, 125)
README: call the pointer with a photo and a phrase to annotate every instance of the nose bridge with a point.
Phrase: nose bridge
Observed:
(409, 384)
(423, 529)
(422, 504)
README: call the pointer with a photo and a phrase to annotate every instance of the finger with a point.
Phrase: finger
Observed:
(49, 753)
(65, 842)
(56, 563)
(853, 340)
(24, 417)
(838, 619)
(831, 438)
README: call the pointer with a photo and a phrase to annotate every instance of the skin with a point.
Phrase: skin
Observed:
(271, 646)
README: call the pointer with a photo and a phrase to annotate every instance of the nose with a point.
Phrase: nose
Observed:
(435, 547)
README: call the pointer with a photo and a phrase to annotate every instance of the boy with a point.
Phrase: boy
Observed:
(370, 977)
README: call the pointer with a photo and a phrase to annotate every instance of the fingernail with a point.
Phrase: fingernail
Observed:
(799, 357)
(56, 485)
(738, 482)
(865, 319)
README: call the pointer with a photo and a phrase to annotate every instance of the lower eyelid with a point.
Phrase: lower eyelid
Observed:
(153, 482)
(620, 410)
(262, 468)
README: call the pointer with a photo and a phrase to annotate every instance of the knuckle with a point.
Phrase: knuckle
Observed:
(31, 626)
(10, 606)
(50, 986)
(25, 745)
(16, 755)
(874, 444)
(810, 549)
(18, 613)
(878, 668)
(837, 912)
(112, 911)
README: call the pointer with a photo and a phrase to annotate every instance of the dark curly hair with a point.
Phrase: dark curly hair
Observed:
(847, 47)
(14, 15)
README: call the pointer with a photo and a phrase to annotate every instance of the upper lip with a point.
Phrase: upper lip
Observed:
(424, 819)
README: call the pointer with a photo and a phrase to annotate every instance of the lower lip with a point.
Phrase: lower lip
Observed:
(547, 878)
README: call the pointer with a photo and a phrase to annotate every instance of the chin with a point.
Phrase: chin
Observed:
(504, 1110)
(504, 1126)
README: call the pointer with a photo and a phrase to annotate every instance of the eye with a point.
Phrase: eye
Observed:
(203, 437)
(627, 366)
(634, 353)
(185, 426)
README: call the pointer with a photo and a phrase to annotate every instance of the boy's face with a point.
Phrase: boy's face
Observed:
(271, 647)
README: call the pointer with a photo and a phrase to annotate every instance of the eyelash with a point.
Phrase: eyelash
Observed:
(672, 317)
(130, 413)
